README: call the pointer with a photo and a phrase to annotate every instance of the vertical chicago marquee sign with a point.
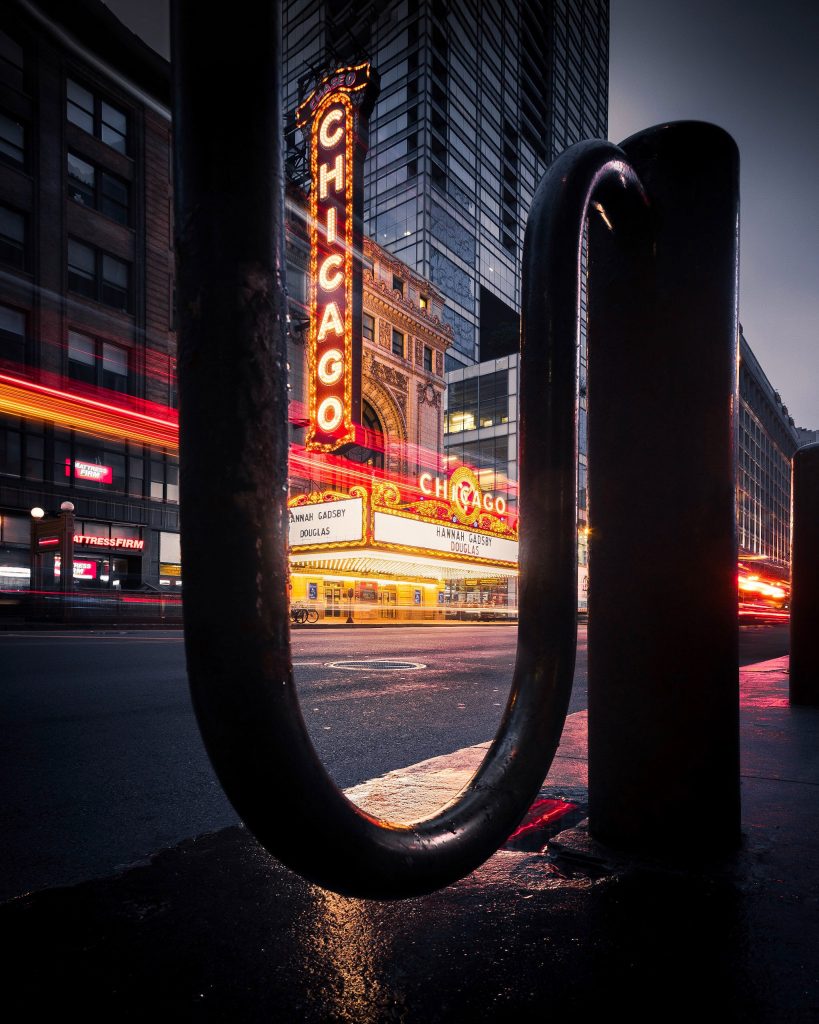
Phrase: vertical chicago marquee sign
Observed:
(336, 114)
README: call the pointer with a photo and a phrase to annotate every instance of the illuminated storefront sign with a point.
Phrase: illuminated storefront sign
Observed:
(336, 114)
(90, 471)
(454, 541)
(330, 522)
(463, 489)
(127, 543)
(82, 570)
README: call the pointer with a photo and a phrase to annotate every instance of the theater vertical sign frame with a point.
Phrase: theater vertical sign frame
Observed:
(336, 115)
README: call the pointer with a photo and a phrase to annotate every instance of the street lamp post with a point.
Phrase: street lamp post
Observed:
(52, 533)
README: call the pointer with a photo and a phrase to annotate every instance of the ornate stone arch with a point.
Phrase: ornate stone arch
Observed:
(393, 419)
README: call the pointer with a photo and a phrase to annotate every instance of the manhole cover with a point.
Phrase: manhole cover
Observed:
(381, 664)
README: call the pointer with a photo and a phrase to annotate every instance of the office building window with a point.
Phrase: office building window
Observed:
(164, 477)
(15, 529)
(11, 446)
(494, 399)
(12, 64)
(427, 359)
(98, 362)
(173, 387)
(478, 402)
(12, 141)
(21, 448)
(489, 458)
(12, 336)
(368, 327)
(462, 411)
(98, 189)
(397, 284)
(91, 464)
(114, 363)
(97, 117)
(82, 269)
(80, 461)
(82, 358)
(12, 238)
(397, 343)
(99, 276)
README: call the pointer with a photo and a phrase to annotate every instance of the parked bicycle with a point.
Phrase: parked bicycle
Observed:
(301, 615)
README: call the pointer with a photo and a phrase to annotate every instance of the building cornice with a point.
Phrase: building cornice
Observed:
(382, 300)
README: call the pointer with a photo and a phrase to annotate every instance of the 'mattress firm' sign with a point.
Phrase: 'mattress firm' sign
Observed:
(455, 541)
(90, 471)
(336, 114)
(330, 522)
(128, 543)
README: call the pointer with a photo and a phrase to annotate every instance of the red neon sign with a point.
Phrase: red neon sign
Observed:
(90, 471)
(82, 570)
(128, 543)
(336, 112)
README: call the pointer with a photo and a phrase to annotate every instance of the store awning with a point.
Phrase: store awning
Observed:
(366, 562)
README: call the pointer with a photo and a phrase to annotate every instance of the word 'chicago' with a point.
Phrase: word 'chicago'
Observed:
(464, 493)
(334, 268)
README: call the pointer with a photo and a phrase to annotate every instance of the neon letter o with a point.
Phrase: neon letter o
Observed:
(330, 414)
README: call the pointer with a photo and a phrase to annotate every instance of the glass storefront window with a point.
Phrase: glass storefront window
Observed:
(15, 529)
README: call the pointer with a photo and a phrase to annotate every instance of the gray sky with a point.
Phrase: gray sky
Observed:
(752, 67)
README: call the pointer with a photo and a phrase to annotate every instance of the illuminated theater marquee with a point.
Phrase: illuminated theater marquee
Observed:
(336, 113)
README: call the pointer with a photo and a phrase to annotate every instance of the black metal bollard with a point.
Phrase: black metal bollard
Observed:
(663, 691)
(804, 677)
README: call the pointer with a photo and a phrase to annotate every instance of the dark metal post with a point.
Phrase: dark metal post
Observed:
(65, 518)
(804, 682)
(229, 223)
(663, 694)
(52, 534)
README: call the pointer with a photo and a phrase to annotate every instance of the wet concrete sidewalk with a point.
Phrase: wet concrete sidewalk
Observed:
(214, 930)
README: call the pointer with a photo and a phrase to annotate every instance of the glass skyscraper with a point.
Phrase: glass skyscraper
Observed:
(476, 100)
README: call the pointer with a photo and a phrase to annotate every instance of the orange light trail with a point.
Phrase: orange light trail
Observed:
(20, 397)
(755, 585)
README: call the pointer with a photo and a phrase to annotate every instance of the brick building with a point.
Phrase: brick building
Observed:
(87, 339)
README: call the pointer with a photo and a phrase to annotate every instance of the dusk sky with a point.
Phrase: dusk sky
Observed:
(752, 67)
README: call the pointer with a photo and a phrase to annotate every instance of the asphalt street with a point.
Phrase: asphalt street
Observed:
(102, 761)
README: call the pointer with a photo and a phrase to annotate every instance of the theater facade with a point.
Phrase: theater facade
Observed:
(390, 527)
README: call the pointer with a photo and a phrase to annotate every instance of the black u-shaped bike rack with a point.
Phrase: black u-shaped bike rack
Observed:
(234, 451)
